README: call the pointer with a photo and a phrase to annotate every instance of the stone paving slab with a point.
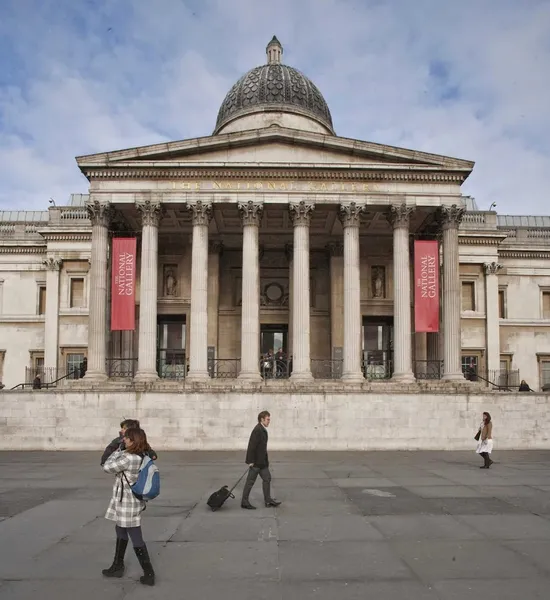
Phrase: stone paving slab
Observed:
(386, 525)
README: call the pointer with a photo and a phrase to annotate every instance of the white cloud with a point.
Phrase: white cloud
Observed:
(96, 76)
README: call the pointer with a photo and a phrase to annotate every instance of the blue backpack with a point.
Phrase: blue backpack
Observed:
(147, 486)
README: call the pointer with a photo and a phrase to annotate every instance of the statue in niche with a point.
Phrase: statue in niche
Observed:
(378, 282)
(170, 283)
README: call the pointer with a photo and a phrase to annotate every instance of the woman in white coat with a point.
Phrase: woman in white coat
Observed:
(485, 443)
(124, 508)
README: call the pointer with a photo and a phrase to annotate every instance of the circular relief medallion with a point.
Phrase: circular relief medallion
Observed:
(274, 292)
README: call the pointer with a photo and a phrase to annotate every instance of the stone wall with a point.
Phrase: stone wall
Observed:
(44, 420)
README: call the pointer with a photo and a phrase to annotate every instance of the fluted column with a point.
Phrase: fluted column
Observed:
(336, 251)
(450, 218)
(402, 363)
(350, 217)
(289, 252)
(492, 326)
(300, 214)
(151, 214)
(51, 324)
(100, 214)
(198, 350)
(251, 216)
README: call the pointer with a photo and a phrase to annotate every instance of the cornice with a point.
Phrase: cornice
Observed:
(314, 173)
(524, 254)
(72, 237)
(479, 241)
(23, 249)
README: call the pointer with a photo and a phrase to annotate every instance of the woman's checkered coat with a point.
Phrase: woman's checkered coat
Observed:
(124, 507)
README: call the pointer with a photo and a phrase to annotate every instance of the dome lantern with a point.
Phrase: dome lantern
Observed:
(274, 51)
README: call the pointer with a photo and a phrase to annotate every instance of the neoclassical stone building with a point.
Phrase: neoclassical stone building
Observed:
(273, 252)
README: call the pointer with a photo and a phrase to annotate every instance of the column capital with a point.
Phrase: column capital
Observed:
(215, 247)
(201, 212)
(350, 214)
(335, 248)
(150, 211)
(99, 213)
(492, 268)
(399, 215)
(52, 264)
(251, 212)
(300, 213)
(450, 217)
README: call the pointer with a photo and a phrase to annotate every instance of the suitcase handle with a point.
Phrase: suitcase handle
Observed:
(239, 481)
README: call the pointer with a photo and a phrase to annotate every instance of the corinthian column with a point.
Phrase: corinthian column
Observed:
(301, 362)
(100, 214)
(51, 325)
(350, 217)
(450, 218)
(251, 216)
(399, 218)
(198, 350)
(151, 214)
(492, 326)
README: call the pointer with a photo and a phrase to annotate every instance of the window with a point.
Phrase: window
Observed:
(42, 300)
(546, 305)
(470, 364)
(2, 354)
(37, 366)
(77, 292)
(468, 296)
(502, 304)
(75, 366)
(544, 370)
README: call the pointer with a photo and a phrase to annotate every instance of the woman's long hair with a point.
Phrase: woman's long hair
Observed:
(488, 419)
(139, 440)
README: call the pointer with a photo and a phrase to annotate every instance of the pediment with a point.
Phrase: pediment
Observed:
(275, 147)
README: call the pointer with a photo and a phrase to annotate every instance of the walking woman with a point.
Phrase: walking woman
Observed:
(125, 509)
(485, 443)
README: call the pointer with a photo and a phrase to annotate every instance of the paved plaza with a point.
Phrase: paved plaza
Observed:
(384, 525)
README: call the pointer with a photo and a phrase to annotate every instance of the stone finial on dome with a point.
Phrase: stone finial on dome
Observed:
(274, 51)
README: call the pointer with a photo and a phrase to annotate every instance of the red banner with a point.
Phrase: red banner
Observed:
(123, 288)
(426, 286)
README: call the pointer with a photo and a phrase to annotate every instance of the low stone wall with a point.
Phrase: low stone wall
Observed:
(88, 420)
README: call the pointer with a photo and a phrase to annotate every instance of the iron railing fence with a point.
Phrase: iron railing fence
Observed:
(326, 368)
(428, 369)
(121, 367)
(274, 368)
(224, 368)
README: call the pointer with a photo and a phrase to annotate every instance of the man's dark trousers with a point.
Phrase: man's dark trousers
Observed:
(253, 473)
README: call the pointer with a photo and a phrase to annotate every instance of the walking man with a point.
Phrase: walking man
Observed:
(258, 461)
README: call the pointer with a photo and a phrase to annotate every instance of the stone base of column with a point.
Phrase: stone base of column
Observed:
(146, 376)
(249, 376)
(95, 376)
(453, 377)
(353, 377)
(305, 376)
(403, 378)
(197, 376)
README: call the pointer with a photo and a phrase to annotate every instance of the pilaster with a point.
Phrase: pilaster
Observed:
(492, 325)
(51, 324)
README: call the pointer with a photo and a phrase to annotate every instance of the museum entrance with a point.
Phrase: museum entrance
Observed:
(171, 361)
(378, 347)
(274, 362)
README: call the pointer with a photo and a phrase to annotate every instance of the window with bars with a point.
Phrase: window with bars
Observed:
(544, 369)
(468, 296)
(77, 292)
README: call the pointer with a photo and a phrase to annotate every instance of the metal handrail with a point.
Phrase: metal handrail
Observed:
(45, 385)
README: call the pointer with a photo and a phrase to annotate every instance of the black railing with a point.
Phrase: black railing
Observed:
(39, 385)
(275, 368)
(428, 369)
(326, 368)
(49, 375)
(224, 368)
(172, 370)
(121, 367)
(503, 380)
(377, 369)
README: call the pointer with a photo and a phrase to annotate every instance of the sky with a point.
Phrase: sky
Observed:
(463, 78)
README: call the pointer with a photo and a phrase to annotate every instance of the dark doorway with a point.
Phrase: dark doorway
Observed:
(171, 360)
(378, 347)
(275, 362)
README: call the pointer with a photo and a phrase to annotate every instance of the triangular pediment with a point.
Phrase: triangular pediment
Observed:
(275, 147)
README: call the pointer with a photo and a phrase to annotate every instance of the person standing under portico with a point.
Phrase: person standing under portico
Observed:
(258, 462)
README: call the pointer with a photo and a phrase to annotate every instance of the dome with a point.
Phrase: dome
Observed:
(274, 87)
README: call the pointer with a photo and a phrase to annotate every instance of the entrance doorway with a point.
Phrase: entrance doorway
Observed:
(275, 362)
(378, 347)
(171, 360)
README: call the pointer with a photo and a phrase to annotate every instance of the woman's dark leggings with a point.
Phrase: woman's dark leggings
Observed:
(134, 533)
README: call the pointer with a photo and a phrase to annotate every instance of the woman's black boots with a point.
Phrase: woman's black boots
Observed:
(117, 568)
(148, 577)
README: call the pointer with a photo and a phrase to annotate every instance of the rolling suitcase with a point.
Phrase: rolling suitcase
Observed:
(217, 499)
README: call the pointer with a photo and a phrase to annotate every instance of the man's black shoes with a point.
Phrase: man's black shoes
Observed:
(248, 506)
(273, 503)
